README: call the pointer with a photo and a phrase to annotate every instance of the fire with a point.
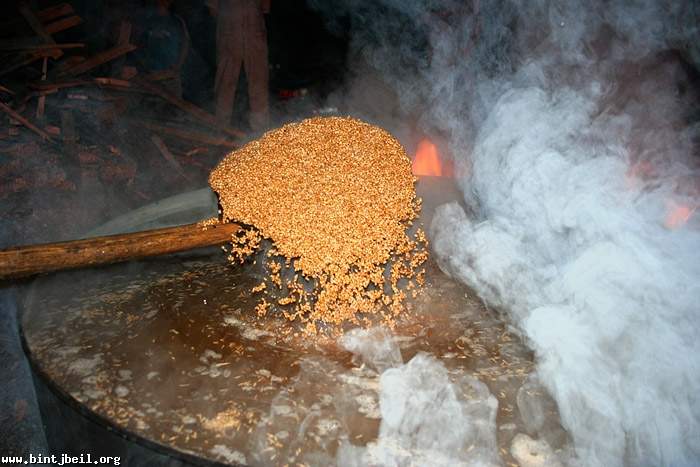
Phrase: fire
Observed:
(637, 173)
(427, 160)
(678, 215)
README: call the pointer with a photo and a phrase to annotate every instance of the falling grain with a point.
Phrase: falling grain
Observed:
(336, 196)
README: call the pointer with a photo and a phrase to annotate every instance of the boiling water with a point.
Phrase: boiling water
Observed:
(171, 351)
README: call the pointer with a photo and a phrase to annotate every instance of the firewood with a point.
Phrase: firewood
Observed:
(188, 134)
(124, 33)
(19, 47)
(41, 103)
(8, 110)
(197, 112)
(168, 156)
(56, 11)
(98, 59)
(35, 23)
(63, 24)
(47, 14)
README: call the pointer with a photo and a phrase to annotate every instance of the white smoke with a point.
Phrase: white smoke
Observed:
(573, 122)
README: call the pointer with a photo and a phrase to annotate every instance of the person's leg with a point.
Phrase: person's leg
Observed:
(227, 71)
(257, 73)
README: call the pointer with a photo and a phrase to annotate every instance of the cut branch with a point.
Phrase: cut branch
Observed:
(188, 107)
(188, 134)
(8, 110)
(98, 59)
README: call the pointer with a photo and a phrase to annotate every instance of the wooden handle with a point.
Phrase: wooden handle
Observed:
(25, 261)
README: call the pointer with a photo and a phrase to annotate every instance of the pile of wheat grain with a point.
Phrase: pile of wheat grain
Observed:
(336, 196)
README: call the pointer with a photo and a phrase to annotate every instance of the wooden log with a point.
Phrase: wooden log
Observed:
(45, 15)
(65, 64)
(35, 23)
(188, 134)
(41, 103)
(124, 33)
(28, 47)
(168, 156)
(12, 113)
(112, 83)
(36, 259)
(98, 59)
(123, 38)
(13, 43)
(63, 24)
(43, 87)
(56, 11)
(188, 107)
(20, 62)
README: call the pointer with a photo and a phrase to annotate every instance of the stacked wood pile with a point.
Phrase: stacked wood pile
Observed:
(72, 118)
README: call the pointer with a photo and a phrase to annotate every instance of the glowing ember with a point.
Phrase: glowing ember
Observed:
(427, 161)
(678, 215)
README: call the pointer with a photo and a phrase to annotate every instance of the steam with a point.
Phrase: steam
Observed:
(427, 414)
(605, 293)
(426, 418)
(572, 125)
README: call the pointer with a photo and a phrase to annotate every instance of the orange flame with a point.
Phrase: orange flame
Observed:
(427, 161)
(678, 215)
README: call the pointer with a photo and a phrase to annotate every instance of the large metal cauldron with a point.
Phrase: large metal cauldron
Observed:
(163, 362)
